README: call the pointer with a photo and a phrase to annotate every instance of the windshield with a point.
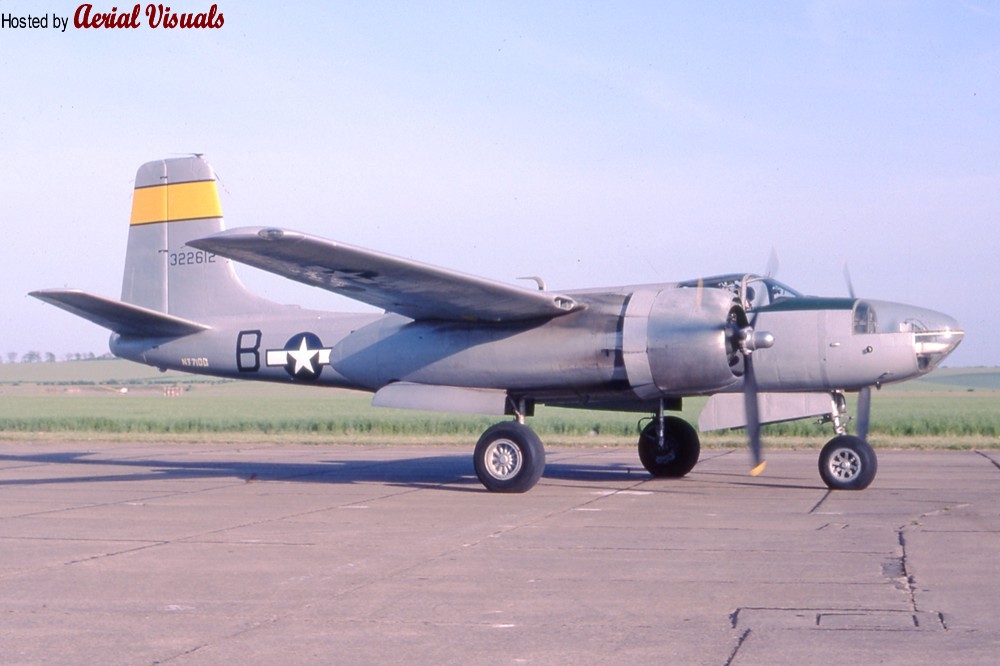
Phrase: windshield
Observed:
(865, 319)
(760, 291)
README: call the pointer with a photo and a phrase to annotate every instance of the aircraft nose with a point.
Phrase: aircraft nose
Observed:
(935, 336)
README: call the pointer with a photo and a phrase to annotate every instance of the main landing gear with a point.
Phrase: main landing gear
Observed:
(848, 462)
(509, 457)
(668, 446)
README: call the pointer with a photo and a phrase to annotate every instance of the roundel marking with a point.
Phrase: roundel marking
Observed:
(303, 356)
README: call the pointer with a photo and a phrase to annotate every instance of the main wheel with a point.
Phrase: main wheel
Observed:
(680, 451)
(847, 463)
(509, 458)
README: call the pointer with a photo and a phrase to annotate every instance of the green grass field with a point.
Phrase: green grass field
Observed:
(951, 408)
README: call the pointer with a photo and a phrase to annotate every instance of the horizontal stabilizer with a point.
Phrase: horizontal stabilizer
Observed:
(402, 286)
(726, 410)
(407, 395)
(122, 318)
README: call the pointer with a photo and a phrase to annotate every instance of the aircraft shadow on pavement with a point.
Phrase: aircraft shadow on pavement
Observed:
(449, 472)
(424, 471)
(595, 473)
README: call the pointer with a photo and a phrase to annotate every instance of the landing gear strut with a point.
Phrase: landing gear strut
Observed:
(847, 462)
(668, 446)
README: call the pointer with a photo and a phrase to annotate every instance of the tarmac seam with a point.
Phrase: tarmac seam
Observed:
(736, 649)
(145, 544)
(983, 454)
(114, 554)
(236, 634)
(195, 538)
(907, 578)
(390, 574)
(910, 581)
(780, 618)
(275, 619)
(191, 538)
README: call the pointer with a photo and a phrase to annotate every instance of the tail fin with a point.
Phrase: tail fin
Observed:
(176, 200)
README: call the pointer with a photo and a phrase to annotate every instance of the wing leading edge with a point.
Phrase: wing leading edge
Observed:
(403, 286)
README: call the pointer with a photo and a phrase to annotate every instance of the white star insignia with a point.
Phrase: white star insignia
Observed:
(303, 357)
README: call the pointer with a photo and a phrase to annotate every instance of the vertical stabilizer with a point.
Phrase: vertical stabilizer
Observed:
(176, 200)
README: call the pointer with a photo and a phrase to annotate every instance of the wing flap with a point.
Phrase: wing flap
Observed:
(395, 284)
(436, 398)
(122, 318)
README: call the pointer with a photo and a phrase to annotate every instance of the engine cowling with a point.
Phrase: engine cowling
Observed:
(682, 341)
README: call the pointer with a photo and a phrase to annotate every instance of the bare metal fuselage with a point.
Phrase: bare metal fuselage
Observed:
(628, 346)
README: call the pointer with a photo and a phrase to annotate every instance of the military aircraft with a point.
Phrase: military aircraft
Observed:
(449, 341)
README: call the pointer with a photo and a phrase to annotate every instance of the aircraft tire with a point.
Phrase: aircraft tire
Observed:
(509, 458)
(847, 463)
(681, 448)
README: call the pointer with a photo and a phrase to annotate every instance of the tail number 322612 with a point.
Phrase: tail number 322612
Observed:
(191, 258)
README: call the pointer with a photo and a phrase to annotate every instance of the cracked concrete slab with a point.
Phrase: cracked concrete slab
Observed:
(187, 554)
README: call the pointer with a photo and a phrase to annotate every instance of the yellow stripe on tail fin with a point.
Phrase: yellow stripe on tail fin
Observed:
(174, 202)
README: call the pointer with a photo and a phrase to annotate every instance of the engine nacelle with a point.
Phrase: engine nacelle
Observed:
(680, 341)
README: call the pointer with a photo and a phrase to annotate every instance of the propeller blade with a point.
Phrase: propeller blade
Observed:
(753, 416)
(864, 410)
(772, 264)
(847, 278)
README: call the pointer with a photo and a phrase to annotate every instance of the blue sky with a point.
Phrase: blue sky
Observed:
(589, 143)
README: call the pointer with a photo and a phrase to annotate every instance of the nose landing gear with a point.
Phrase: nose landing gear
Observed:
(848, 462)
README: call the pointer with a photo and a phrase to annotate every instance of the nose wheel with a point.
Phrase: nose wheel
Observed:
(847, 463)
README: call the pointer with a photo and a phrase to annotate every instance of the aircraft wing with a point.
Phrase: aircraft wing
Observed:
(409, 288)
(122, 318)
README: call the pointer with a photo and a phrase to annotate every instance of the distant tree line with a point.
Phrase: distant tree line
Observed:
(49, 357)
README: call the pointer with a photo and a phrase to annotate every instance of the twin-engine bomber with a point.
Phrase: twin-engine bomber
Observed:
(449, 341)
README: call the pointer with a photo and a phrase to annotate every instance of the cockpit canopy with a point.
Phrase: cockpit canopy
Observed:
(753, 290)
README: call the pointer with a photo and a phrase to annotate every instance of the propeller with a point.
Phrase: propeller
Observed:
(753, 417)
(749, 341)
(864, 410)
(864, 407)
(847, 279)
(772, 264)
